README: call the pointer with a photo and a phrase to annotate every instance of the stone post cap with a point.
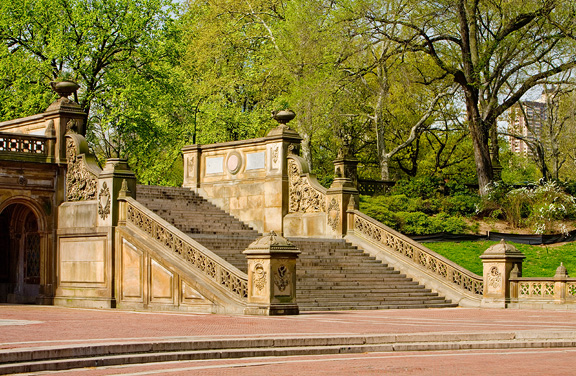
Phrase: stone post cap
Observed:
(561, 272)
(502, 250)
(271, 243)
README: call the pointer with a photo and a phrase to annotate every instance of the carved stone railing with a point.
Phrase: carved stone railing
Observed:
(525, 290)
(27, 147)
(194, 254)
(442, 269)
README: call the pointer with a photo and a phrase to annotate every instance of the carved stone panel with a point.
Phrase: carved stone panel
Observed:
(303, 197)
(80, 183)
(104, 201)
(494, 280)
(189, 294)
(283, 281)
(334, 214)
(259, 278)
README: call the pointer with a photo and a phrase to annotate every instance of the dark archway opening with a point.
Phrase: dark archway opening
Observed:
(20, 255)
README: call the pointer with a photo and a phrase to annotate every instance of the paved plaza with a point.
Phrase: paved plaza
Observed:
(46, 327)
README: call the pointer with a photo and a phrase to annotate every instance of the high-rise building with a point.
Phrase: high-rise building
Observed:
(526, 120)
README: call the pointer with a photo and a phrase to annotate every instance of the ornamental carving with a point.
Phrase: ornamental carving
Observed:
(334, 214)
(275, 154)
(191, 166)
(72, 126)
(303, 197)
(104, 201)
(259, 276)
(81, 184)
(494, 278)
(282, 277)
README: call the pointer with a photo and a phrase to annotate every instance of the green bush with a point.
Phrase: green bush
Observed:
(423, 187)
(541, 207)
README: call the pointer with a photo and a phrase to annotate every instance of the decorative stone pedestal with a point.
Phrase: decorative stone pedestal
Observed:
(340, 194)
(271, 276)
(500, 261)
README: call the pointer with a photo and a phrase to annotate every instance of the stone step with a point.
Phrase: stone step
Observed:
(106, 354)
(333, 271)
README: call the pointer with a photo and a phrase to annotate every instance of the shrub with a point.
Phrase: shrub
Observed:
(541, 207)
(424, 187)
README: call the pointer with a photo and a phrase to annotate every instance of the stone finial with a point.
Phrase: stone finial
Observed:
(283, 117)
(283, 130)
(515, 272)
(64, 88)
(561, 271)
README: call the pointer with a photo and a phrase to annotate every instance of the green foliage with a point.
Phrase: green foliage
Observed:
(541, 260)
(414, 215)
(124, 54)
(541, 207)
(424, 187)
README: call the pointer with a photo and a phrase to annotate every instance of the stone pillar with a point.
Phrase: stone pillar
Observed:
(271, 276)
(110, 181)
(560, 284)
(499, 261)
(339, 194)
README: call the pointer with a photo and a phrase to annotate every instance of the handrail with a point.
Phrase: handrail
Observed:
(446, 271)
(211, 265)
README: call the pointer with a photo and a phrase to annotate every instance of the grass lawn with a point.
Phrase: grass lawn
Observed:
(541, 260)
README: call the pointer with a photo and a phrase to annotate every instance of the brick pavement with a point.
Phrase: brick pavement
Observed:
(34, 326)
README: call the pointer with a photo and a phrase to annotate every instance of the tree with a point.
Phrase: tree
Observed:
(547, 125)
(124, 55)
(495, 52)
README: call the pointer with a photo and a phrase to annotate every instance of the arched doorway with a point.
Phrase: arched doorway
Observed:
(20, 255)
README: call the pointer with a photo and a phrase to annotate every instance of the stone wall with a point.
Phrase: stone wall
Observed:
(247, 179)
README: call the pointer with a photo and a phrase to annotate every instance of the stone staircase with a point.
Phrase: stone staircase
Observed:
(331, 273)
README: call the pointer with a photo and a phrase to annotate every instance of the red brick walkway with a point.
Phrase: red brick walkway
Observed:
(34, 326)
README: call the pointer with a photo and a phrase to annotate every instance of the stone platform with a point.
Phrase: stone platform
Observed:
(424, 341)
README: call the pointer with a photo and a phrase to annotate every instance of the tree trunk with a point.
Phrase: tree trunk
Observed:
(307, 149)
(479, 131)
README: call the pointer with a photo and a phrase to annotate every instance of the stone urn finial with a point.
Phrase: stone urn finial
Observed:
(283, 116)
(64, 88)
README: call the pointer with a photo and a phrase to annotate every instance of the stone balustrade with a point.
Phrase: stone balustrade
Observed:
(197, 256)
(25, 147)
(416, 255)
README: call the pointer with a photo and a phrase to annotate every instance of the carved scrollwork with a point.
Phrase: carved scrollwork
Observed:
(259, 276)
(494, 278)
(334, 214)
(282, 277)
(81, 184)
(275, 154)
(303, 197)
(104, 201)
